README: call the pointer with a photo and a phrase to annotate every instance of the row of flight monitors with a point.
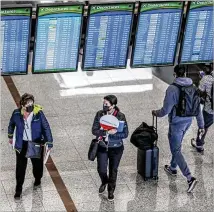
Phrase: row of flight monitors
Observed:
(157, 33)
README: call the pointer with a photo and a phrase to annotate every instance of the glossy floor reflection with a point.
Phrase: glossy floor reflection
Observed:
(70, 102)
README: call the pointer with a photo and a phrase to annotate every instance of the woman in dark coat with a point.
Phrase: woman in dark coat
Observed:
(112, 150)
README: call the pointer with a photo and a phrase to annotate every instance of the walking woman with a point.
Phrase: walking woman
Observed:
(28, 124)
(111, 151)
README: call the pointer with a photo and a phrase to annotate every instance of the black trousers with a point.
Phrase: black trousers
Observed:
(113, 156)
(21, 165)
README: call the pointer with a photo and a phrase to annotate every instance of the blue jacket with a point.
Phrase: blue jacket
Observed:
(172, 99)
(41, 132)
(115, 140)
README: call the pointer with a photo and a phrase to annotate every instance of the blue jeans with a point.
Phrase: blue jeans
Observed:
(208, 121)
(175, 135)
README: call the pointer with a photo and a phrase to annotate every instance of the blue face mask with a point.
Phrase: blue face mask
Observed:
(202, 73)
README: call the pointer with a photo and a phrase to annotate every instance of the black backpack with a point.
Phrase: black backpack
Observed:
(189, 101)
(144, 136)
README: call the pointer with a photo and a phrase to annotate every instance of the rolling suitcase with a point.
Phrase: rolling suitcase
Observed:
(148, 160)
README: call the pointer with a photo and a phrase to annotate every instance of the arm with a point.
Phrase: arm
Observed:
(121, 135)
(200, 119)
(96, 131)
(46, 130)
(11, 127)
(169, 103)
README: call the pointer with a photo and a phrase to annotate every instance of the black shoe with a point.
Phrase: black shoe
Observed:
(37, 183)
(102, 188)
(192, 183)
(110, 196)
(199, 149)
(169, 171)
(17, 195)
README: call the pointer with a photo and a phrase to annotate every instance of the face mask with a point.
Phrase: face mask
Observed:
(29, 109)
(106, 108)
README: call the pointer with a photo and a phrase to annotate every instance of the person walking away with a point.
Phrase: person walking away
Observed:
(180, 118)
(206, 88)
(28, 123)
(111, 151)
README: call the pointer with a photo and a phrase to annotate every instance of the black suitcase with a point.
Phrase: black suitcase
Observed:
(148, 160)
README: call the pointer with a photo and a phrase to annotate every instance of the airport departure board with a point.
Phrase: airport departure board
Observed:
(108, 35)
(157, 34)
(57, 38)
(198, 38)
(15, 35)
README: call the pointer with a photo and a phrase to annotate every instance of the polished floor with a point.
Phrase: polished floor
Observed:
(70, 101)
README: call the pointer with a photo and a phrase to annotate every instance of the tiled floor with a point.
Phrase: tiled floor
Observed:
(70, 101)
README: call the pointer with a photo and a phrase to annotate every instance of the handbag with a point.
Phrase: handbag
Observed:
(92, 152)
(34, 150)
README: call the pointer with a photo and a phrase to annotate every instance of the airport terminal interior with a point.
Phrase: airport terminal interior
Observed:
(69, 79)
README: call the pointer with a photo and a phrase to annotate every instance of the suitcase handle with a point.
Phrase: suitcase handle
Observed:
(155, 123)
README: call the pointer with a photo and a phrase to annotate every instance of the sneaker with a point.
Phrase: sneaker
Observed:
(102, 188)
(192, 183)
(199, 149)
(37, 183)
(17, 196)
(110, 197)
(169, 171)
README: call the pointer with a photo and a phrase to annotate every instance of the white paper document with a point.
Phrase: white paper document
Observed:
(46, 154)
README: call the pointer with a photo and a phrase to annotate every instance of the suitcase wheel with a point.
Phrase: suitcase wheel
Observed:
(145, 178)
(155, 178)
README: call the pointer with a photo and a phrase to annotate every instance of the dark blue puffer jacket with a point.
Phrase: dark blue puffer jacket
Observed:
(41, 132)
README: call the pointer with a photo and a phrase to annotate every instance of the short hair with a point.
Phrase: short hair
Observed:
(180, 70)
(25, 98)
(207, 69)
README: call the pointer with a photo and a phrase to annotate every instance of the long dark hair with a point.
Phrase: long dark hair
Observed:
(113, 100)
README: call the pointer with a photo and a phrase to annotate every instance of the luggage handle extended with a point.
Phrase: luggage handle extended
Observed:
(155, 125)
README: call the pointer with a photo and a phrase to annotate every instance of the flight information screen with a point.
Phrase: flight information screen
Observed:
(157, 34)
(108, 35)
(57, 38)
(15, 35)
(198, 37)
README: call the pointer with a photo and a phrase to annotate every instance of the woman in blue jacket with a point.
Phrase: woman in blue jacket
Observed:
(111, 151)
(28, 123)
